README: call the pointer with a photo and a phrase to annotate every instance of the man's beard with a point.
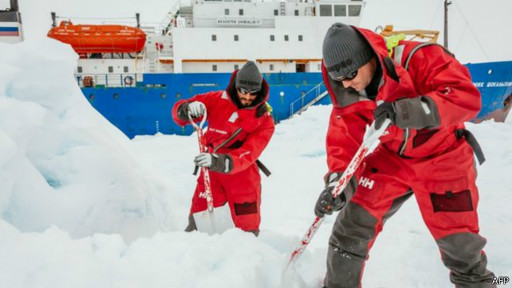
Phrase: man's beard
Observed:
(246, 103)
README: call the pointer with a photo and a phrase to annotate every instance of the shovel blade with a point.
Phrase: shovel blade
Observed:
(217, 221)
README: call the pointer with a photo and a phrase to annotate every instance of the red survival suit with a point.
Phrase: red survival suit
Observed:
(435, 165)
(241, 187)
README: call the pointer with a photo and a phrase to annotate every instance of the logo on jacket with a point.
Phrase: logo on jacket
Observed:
(218, 131)
(245, 153)
(233, 117)
(202, 195)
(366, 182)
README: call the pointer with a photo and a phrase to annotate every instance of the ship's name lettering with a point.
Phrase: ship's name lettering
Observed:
(222, 21)
(227, 21)
(499, 84)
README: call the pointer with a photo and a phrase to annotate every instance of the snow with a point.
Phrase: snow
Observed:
(83, 206)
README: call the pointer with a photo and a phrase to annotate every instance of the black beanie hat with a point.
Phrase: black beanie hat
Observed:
(249, 77)
(344, 50)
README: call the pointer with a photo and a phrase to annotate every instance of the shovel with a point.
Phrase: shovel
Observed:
(212, 220)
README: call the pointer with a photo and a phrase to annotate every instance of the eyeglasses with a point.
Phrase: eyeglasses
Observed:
(245, 91)
(348, 76)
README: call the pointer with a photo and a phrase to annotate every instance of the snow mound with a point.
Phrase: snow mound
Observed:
(62, 163)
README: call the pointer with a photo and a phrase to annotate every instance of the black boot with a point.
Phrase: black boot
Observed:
(191, 224)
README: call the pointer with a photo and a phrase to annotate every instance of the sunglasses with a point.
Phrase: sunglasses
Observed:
(245, 91)
(348, 76)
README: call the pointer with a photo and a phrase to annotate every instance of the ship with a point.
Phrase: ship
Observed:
(11, 29)
(197, 47)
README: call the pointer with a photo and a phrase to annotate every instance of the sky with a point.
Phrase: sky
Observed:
(475, 29)
(81, 205)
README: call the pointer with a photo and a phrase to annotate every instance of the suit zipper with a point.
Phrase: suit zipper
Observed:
(228, 140)
(404, 144)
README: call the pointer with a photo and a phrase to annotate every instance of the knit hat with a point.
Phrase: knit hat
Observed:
(344, 50)
(249, 77)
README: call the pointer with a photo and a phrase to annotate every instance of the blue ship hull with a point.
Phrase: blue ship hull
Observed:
(145, 109)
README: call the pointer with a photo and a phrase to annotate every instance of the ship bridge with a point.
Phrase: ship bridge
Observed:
(280, 36)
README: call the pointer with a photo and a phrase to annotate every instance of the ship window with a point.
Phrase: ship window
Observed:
(285, 37)
(226, 11)
(110, 69)
(214, 67)
(340, 10)
(276, 12)
(214, 37)
(325, 10)
(241, 12)
(125, 69)
(79, 69)
(236, 66)
(300, 37)
(354, 10)
(271, 67)
(272, 38)
(296, 12)
(236, 37)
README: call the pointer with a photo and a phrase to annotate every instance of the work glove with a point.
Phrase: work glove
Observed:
(326, 204)
(216, 162)
(417, 113)
(196, 109)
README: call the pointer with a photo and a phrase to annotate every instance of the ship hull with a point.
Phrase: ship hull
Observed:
(145, 108)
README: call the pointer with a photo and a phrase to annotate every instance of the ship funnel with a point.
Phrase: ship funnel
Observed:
(14, 5)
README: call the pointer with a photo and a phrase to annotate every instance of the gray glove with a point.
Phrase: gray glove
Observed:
(326, 204)
(216, 162)
(196, 109)
(416, 113)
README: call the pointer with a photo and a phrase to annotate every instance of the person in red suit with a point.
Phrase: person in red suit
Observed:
(427, 94)
(239, 128)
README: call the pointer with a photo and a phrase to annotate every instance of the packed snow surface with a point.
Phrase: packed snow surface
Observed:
(83, 206)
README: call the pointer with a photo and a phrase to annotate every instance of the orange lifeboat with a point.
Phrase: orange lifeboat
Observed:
(99, 38)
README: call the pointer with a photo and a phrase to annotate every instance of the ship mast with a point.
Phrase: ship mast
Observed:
(446, 4)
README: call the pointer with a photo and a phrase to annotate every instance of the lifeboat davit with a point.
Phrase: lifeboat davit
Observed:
(99, 38)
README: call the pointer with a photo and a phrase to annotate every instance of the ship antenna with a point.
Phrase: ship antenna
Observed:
(54, 19)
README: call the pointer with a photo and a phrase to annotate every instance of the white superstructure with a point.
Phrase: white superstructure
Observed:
(11, 30)
(220, 36)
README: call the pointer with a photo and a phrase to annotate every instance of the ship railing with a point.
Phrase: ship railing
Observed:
(108, 80)
(307, 100)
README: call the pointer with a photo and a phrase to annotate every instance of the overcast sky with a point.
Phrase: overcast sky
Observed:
(479, 30)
